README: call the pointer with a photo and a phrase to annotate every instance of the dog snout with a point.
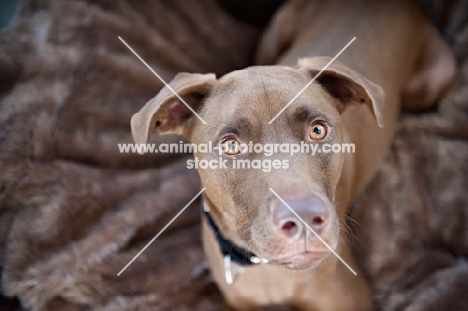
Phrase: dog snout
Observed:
(311, 210)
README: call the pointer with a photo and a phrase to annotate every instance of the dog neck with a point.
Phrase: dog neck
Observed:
(228, 249)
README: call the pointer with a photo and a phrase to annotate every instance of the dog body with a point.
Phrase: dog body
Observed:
(397, 54)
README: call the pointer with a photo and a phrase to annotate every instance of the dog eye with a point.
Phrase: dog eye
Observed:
(231, 146)
(317, 131)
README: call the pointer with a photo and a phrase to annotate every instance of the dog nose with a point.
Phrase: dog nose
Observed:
(312, 210)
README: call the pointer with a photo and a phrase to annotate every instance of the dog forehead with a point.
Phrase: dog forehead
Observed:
(259, 80)
(263, 91)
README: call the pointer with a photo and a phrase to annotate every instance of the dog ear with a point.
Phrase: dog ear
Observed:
(345, 84)
(166, 112)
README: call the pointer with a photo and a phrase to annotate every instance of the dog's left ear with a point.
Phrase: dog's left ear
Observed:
(166, 112)
(345, 84)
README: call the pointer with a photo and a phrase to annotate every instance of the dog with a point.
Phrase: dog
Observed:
(269, 236)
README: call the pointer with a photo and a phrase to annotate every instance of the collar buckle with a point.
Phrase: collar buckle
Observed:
(256, 260)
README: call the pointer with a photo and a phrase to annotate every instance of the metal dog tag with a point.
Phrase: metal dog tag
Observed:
(231, 270)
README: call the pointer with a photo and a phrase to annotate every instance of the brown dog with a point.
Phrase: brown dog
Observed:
(396, 49)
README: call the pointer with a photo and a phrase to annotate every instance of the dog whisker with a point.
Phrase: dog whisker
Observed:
(353, 221)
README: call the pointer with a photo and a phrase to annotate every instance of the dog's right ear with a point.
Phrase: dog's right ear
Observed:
(166, 112)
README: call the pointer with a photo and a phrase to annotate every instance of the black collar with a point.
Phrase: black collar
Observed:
(227, 247)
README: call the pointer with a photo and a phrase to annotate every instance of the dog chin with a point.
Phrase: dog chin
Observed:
(302, 261)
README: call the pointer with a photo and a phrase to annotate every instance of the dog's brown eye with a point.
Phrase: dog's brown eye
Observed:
(317, 131)
(231, 146)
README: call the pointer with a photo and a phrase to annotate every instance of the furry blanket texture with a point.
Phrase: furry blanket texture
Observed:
(74, 210)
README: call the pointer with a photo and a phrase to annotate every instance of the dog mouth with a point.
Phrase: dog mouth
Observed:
(300, 255)
(301, 261)
(304, 260)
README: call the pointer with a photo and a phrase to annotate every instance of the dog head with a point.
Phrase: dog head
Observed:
(271, 210)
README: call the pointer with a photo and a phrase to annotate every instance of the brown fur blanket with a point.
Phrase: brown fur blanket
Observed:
(74, 211)
(412, 223)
